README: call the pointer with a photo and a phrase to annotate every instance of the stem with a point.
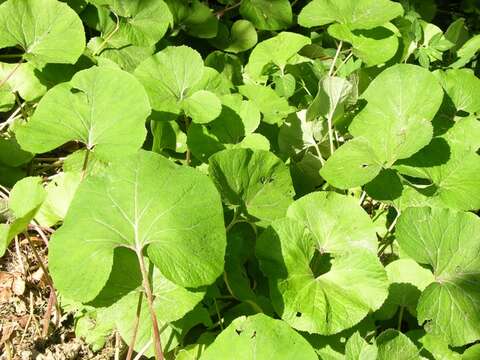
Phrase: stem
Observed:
(109, 36)
(234, 220)
(53, 295)
(10, 74)
(339, 48)
(188, 154)
(332, 111)
(148, 292)
(10, 56)
(390, 229)
(85, 163)
(400, 318)
(220, 320)
(343, 63)
(135, 327)
(362, 197)
(222, 12)
(317, 149)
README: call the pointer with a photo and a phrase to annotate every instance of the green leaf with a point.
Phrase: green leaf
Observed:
(401, 102)
(171, 302)
(451, 166)
(448, 241)
(374, 46)
(11, 154)
(355, 14)
(173, 79)
(311, 287)
(60, 191)
(257, 182)
(395, 124)
(392, 344)
(276, 50)
(273, 107)
(358, 349)
(267, 14)
(203, 106)
(332, 92)
(194, 17)
(259, 337)
(183, 234)
(327, 215)
(353, 164)
(466, 53)
(25, 199)
(48, 31)
(463, 89)
(241, 37)
(119, 52)
(141, 22)
(407, 280)
(23, 81)
(103, 108)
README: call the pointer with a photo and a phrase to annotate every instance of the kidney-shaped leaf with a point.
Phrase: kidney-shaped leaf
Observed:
(317, 291)
(257, 182)
(448, 241)
(101, 107)
(277, 50)
(48, 31)
(143, 201)
(267, 14)
(172, 78)
(329, 215)
(356, 14)
(395, 124)
(259, 337)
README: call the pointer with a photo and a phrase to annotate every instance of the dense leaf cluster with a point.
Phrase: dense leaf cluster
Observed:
(249, 179)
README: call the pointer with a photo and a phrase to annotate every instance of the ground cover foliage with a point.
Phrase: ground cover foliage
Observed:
(246, 179)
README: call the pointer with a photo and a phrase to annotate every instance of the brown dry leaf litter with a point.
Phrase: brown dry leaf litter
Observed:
(24, 299)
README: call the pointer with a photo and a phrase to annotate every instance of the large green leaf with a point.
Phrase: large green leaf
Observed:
(276, 50)
(173, 79)
(194, 17)
(25, 199)
(267, 14)
(317, 290)
(392, 344)
(48, 31)
(451, 165)
(241, 37)
(355, 14)
(103, 108)
(374, 46)
(357, 348)
(257, 182)
(449, 242)
(141, 22)
(328, 217)
(153, 207)
(353, 164)
(394, 124)
(121, 294)
(463, 89)
(259, 337)
(23, 81)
